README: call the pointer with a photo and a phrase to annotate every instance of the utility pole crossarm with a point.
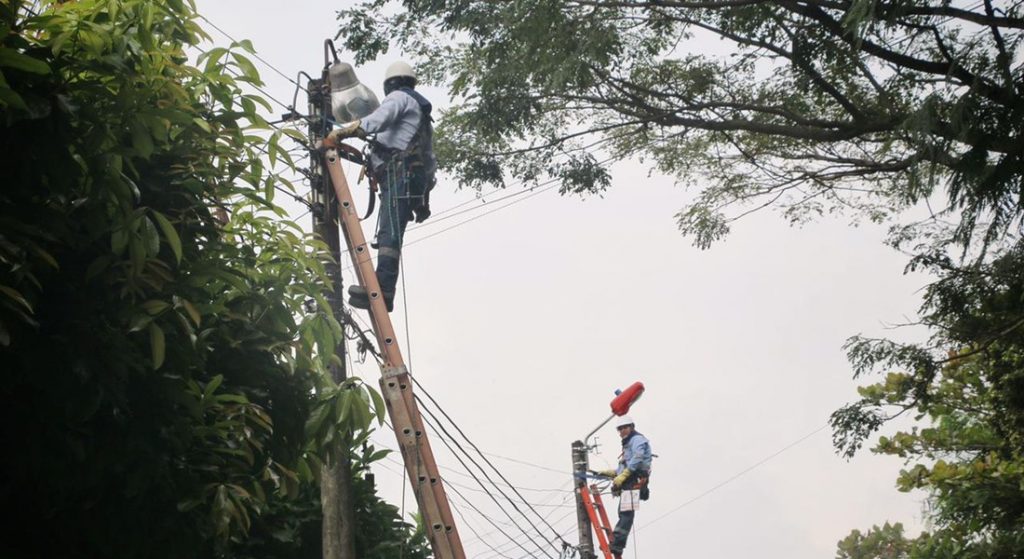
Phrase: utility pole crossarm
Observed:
(395, 384)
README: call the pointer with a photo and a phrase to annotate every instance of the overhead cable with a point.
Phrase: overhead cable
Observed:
(476, 448)
(449, 441)
(739, 474)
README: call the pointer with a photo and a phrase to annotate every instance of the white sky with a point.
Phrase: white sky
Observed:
(525, 320)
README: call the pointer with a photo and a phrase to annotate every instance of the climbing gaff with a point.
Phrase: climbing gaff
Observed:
(620, 405)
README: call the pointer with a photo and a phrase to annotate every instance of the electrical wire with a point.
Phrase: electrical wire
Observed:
(491, 521)
(472, 444)
(560, 519)
(257, 56)
(483, 489)
(448, 441)
(739, 474)
(538, 466)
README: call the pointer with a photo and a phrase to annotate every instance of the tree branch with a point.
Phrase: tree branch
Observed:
(966, 77)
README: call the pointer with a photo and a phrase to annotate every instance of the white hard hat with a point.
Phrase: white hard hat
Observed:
(623, 420)
(399, 69)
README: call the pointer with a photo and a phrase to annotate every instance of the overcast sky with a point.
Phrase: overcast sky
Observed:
(523, 321)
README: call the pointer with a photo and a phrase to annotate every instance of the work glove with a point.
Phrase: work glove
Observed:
(606, 473)
(347, 130)
(620, 479)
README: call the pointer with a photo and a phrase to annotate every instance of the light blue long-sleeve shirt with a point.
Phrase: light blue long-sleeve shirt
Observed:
(395, 122)
(636, 454)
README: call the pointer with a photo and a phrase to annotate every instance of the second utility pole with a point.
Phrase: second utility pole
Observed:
(580, 465)
(336, 495)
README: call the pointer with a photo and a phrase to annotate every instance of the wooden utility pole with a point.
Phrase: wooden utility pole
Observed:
(580, 465)
(336, 497)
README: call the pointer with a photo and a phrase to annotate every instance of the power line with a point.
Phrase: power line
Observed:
(472, 444)
(448, 441)
(500, 507)
(560, 519)
(480, 198)
(480, 538)
(740, 474)
(257, 56)
(565, 498)
(523, 462)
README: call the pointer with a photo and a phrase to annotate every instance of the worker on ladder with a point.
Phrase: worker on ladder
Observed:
(402, 161)
(629, 480)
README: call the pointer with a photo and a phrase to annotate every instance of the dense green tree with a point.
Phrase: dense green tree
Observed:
(811, 106)
(967, 448)
(164, 391)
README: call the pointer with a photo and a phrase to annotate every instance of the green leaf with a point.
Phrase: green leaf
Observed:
(155, 307)
(378, 455)
(378, 404)
(295, 135)
(316, 420)
(213, 385)
(140, 321)
(211, 57)
(171, 235)
(272, 147)
(191, 310)
(246, 45)
(10, 97)
(247, 68)
(203, 124)
(157, 345)
(346, 407)
(16, 296)
(45, 256)
(119, 240)
(150, 237)
(13, 59)
(142, 140)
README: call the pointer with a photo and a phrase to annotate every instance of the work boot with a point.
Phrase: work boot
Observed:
(360, 299)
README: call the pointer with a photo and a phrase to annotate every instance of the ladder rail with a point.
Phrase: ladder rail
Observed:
(595, 506)
(396, 388)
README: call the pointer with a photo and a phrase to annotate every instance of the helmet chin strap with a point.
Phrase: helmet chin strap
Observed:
(398, 82)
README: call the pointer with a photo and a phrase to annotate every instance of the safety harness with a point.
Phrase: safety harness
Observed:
(415, 158)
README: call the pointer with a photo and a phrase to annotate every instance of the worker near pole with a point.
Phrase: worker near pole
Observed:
(402, 161)
(629, 480)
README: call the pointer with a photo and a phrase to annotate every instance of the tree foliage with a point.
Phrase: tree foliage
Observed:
(164, 389)
(884, 542)
(812, 106)
(967, 448)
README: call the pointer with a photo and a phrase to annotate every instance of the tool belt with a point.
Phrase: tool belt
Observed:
(639, 480)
